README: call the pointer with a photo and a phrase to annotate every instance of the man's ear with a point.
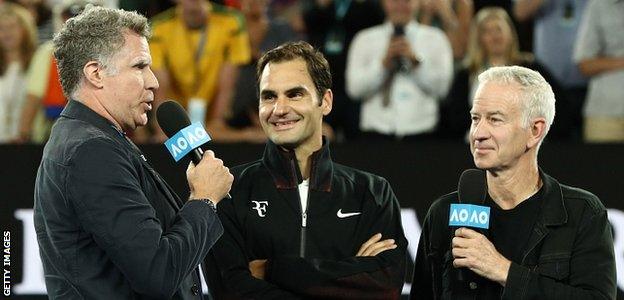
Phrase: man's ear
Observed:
(327, 102)
(538, 130)
(93, 73)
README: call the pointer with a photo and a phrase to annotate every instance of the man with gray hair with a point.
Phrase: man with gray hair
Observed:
(107, 224)
(545, 240)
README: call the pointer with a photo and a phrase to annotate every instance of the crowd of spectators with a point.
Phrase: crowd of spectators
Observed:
(403, 70)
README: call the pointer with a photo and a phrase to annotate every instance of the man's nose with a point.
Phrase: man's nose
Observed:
(281, 106)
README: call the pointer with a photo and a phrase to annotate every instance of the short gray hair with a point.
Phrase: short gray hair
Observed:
(537, 97)
(97, 34)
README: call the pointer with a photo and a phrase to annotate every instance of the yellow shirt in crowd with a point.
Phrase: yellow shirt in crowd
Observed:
(175, 48)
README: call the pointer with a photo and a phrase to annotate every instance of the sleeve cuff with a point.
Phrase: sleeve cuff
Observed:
(196, 210)
(517, 281)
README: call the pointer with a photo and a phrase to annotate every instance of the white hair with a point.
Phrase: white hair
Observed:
(537, 97)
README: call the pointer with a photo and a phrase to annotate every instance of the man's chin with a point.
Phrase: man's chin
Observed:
(286, 142)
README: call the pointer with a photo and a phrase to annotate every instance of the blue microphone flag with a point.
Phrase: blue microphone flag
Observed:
(186, 140)
(469, 215)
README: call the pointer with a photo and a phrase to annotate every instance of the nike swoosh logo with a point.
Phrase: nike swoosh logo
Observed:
(342, 215)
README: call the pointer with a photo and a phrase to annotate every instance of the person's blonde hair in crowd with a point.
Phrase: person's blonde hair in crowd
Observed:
(477, 54)
(28, 39)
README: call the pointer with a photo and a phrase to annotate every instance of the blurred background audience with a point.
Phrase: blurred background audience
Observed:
(452, 16)
(44, 95)
(555, 28)
(331, 26)
(403, 70)
(399, 70)
(18, 40)
(197, 48)
(599, 53)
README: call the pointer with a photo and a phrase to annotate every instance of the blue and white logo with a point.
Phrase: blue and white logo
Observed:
(469, 215)
(186, 140)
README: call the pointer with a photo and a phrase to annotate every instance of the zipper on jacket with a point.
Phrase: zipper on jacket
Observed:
(304, 221)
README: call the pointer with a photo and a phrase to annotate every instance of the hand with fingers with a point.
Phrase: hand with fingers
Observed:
(475, 252)
(209, 179)
(375, 245)
(399, 47)
(258, 268)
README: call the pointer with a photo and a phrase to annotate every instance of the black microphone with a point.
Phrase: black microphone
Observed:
(472, 190)
(172, 118)
(401, 64)
(472, 187)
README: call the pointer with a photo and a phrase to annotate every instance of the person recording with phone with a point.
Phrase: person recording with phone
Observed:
(546, 240)
(108, 225)
(399, 70)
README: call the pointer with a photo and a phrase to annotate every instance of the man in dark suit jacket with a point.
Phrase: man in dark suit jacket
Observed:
(107, 224)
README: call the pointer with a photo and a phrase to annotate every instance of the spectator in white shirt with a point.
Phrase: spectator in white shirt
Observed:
(399, 70)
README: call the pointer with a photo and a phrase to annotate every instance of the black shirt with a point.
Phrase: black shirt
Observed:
(509, 232)
(510, 229)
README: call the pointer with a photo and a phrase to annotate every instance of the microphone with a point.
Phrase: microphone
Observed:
(175, 123)
(172, 118)
(401, 64)
(470, 211)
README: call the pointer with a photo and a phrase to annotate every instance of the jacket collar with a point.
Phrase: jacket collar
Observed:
(283, 167)
(77, 110)
(553, 210)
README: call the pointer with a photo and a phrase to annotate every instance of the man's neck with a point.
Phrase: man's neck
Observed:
(304, 157)
(91, 101)
(508, 188)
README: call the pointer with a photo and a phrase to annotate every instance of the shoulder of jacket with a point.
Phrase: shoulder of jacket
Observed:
(573, 195)
(247, 169)
(377, 186)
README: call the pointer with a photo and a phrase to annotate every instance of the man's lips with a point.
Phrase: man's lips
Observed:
(482, 149)
(284, 125)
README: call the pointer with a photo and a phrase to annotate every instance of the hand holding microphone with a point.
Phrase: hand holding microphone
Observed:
(206, 175)
(470, 247)
(474, 251)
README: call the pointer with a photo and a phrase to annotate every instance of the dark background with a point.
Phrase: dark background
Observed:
(418, 173)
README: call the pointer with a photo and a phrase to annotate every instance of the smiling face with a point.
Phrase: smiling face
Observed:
(129, 90)
(498, 137)
(289, 108)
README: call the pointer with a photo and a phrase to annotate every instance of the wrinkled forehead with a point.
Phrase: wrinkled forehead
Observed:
(496, 96)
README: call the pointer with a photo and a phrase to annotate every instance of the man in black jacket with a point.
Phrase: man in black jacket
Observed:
(107, 224)
(546, 240)
(299, 225)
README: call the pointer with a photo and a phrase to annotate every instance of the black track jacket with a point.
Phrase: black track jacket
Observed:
(310, 254)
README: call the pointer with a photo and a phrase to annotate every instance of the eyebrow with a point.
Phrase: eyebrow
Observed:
(297, 89)
(142, 61)
(491, 113)
(265, 93)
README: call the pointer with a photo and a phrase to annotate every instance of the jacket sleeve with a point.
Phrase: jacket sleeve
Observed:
(105, 190)
(377, 277)
(422, 280)
(591, 269)
(230, 259)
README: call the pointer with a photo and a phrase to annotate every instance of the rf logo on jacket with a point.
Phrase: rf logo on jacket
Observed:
(260, 207)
